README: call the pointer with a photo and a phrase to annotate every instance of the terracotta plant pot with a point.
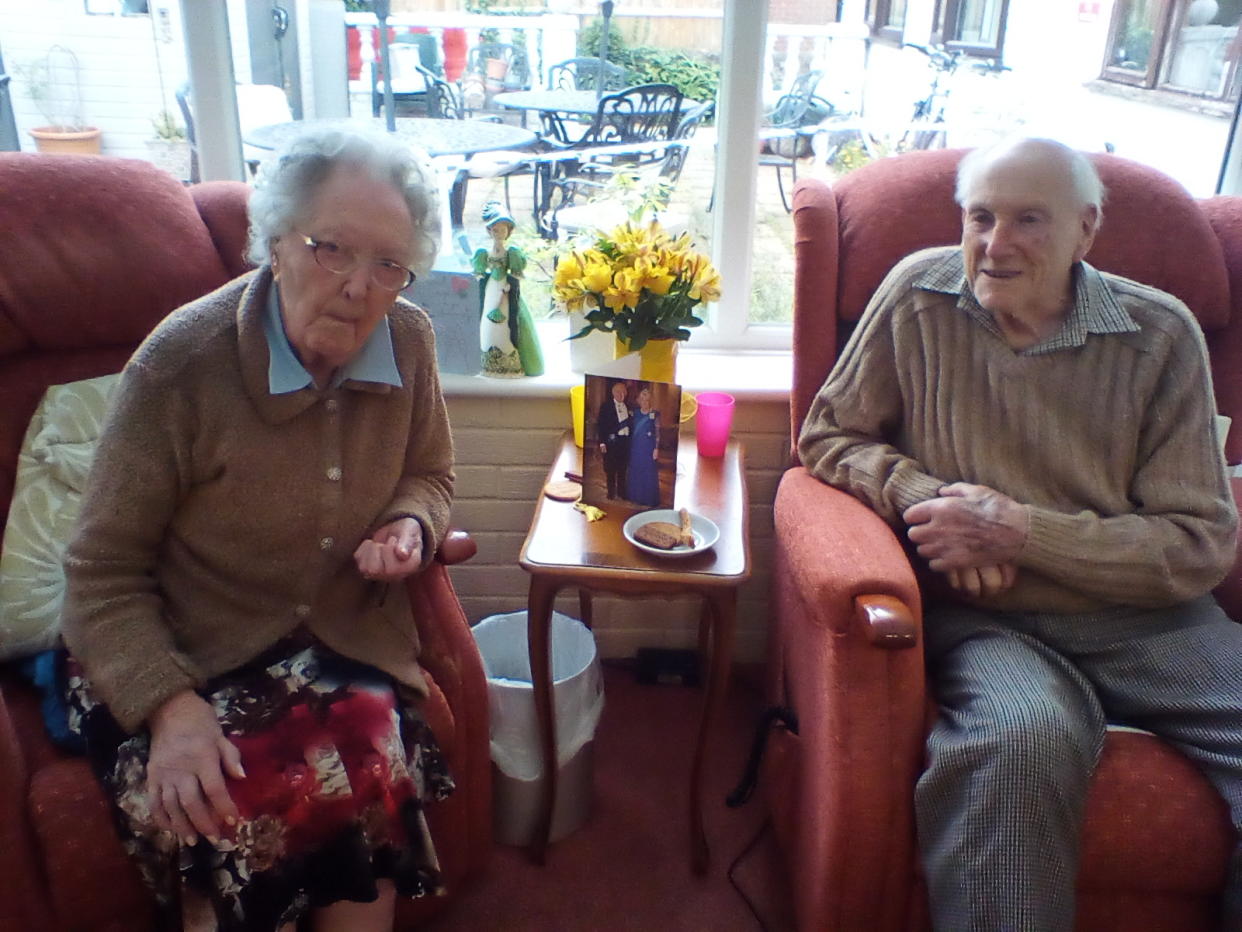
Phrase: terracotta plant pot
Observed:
(496, 68)
(68, 142)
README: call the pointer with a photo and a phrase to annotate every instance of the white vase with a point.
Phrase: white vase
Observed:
(591, 352)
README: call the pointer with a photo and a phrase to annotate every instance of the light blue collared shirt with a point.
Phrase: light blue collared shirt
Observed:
(375, 362)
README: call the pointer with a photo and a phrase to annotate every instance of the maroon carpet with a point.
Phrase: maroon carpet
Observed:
(629, 866)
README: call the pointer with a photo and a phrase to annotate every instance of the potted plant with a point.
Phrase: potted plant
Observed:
(54, 83)
(170, 149)
(642, 286)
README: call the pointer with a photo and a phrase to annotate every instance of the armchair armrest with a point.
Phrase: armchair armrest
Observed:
(457, 547)
(844, 655)
(449, 654)
(886, 621)
(836, 551)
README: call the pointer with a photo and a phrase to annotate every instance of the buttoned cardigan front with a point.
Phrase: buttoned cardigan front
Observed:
(219, 516)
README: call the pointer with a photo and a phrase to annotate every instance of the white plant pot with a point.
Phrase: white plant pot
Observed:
(172, 155)
(592, 352)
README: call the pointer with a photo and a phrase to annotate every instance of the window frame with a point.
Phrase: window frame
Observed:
(1155, 64)
(879, 18)
(946, 12)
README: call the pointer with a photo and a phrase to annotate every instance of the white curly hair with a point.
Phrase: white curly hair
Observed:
(286, 184)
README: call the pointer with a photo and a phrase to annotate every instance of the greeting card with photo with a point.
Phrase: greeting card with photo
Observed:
(629, 454)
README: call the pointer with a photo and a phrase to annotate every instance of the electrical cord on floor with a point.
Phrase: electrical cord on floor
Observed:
(750, 776)
(749, 847)
(746, 787)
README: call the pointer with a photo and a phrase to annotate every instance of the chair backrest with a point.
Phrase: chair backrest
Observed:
(444, 100)
(849, 236)
(405, 60)
(675, 156)
(93, 253)
(644, 113)
(800, 106)
(583, 74)
(261, 104)
(428, 46)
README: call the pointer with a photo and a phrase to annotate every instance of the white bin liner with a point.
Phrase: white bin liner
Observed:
(577, 691)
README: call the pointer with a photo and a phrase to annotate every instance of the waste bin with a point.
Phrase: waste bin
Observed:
(517, 760)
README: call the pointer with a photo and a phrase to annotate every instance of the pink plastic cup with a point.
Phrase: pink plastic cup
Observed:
(713, 420)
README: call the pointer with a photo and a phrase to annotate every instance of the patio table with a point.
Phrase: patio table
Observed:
(438, 137)
(552, 100)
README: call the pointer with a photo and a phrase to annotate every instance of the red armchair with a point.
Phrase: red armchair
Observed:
(845, 648)
(93, 253)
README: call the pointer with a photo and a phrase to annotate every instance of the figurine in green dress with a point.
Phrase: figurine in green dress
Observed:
(507, 338)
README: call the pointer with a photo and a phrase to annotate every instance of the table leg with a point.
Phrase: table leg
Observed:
(457, 209)
(538, 636)
(720, 609)
(585, 608)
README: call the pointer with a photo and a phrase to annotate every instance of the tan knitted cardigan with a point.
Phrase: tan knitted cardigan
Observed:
(1110, 444)
(219, 517)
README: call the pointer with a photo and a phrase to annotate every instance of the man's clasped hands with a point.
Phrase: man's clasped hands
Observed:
(971, 533)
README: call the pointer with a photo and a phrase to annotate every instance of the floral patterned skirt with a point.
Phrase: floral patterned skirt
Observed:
(338, 763)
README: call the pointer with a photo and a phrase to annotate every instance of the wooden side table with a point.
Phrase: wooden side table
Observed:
(563, 549)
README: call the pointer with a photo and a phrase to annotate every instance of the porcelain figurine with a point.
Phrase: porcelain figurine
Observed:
(507, 338)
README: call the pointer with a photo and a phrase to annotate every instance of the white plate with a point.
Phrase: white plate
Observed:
(704, 530)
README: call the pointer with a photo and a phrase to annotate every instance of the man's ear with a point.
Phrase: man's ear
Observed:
(1090, 221)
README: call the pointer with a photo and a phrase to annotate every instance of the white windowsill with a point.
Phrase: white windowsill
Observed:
(747, 375)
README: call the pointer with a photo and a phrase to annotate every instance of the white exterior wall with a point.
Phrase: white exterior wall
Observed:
(117, 55)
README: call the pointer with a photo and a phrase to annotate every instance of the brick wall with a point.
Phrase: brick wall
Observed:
(504, 447)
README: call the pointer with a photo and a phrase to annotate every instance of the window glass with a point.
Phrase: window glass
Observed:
(977, 22)
(1136, 27)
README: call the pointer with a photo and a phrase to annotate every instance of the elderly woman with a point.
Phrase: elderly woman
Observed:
(277, 454)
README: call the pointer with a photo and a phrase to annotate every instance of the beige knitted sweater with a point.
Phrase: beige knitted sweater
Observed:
(1105, 433)
(219, 517)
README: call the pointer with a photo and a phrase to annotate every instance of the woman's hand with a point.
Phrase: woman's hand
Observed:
(393, 552)
(185, 773)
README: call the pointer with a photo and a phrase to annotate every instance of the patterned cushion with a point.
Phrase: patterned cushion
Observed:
(51, 473)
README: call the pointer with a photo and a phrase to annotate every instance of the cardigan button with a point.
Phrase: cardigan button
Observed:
(334, 473)
(302, 611)
(325, 543)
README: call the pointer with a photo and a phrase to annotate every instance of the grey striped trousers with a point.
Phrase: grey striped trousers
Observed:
(1024, 703)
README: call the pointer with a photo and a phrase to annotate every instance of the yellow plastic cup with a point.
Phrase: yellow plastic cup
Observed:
(577, 406)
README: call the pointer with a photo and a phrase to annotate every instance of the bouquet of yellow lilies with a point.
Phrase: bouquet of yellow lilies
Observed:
(638, 283)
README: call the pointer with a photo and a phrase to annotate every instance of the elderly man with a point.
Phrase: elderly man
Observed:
(1043, 434)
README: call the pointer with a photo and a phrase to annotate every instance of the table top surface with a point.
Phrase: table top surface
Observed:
(555, 99)
(562, 541)
(438, 137)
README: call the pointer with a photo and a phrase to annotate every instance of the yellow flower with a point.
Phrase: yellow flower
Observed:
(656, 278)
(625, 291)
(568, 268)
(706, 284)
(597, 276)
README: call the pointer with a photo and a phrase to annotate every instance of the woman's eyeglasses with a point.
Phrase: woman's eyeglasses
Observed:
(339, 260)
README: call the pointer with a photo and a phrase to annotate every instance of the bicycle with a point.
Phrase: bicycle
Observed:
(930, 109)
